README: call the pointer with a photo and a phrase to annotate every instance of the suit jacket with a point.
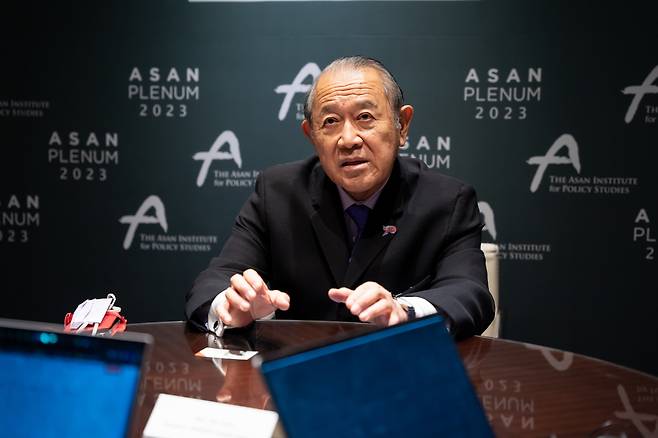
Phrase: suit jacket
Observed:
(292, 232)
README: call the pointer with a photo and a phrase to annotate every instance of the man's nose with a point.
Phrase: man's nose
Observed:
(350, 136)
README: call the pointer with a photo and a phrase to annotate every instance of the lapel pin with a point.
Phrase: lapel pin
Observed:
(389, 229)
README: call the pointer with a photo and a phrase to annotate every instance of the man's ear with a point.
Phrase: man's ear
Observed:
(306, 129)
(406, 114)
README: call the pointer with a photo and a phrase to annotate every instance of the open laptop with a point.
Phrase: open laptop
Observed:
(405, 380)
(60, 384)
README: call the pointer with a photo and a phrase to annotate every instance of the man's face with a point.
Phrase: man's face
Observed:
(354, 131)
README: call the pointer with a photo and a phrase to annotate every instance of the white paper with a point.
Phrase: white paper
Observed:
(175, 417)
(90, 312)
(100, 307)
(80, 314)
(220, 353)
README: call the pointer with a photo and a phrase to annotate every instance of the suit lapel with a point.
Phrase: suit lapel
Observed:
(328, 223)
(387, 211)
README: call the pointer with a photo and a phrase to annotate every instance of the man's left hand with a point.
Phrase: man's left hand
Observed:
(370, 302)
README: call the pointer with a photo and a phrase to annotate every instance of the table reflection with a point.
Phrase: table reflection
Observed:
(525, 389)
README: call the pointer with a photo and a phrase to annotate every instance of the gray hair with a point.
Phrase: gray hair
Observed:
(392, 89)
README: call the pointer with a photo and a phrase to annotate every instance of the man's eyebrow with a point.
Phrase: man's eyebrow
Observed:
(368, 104)
(361, 104)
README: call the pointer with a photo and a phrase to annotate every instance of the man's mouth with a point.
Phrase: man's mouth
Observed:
(353, 163)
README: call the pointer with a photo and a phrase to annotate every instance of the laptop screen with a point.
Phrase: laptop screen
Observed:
(56, 384)
(405, 380)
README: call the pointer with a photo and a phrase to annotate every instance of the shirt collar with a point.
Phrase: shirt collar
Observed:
(346, 200)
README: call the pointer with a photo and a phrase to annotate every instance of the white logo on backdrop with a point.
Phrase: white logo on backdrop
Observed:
(297, 86)
(434, 155)
(164, 92)
(18, 216)
(642, 233)
(23, 108)
(141, 218)
(565, 140)
(639, 91)
(488, 215)
(517, 251)
(226, 137)
(500, 94)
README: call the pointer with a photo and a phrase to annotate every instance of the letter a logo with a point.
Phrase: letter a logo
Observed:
(488, 215)
(639, 91)
(141, 218)
(215, 154)
(311, 69)
(565, 140)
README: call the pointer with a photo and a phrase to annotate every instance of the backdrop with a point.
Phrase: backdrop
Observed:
(132, 132)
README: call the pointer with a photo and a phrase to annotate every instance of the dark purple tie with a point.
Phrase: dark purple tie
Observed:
(359, 214)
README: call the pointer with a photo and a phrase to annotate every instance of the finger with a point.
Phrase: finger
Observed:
(367, 287)
(394, 318)
(379, 308)
(339, 295)
(236, 300)
(365, 298)
(242, 287)
(255, 281)
(398, 315)
(280, 300)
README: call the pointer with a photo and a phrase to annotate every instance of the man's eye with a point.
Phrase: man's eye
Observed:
(365, 116)
(329, 121)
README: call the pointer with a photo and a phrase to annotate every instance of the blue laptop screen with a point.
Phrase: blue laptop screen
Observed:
(406, 380)
(63, 385)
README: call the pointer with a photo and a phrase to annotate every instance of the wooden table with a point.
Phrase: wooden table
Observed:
(526, 390)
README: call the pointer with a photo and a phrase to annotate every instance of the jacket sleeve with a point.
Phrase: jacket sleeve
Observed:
(247, 247)
(458, 288)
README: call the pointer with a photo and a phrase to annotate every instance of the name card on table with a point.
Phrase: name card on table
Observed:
(175, 417)
(221, 353)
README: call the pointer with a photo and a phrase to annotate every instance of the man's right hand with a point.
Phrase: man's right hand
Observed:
(247, 299)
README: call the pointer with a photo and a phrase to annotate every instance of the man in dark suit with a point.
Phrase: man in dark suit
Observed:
(355, 232)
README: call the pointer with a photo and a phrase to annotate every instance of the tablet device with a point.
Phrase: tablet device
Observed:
(404, 380)
(55, 384)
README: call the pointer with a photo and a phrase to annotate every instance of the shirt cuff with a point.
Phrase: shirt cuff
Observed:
(420, 305)
(215, 325)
